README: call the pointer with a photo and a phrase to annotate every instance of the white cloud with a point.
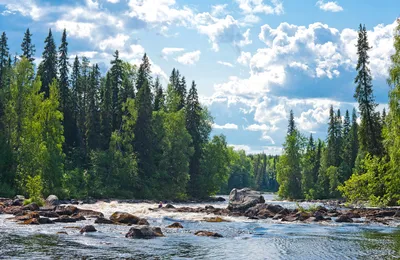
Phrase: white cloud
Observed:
(25, 8)
(244, 58)
(217, 10)
(113, 1)
(262, 127)
(225, 63)
(114, 42)
(241, 147)
(189, 58)
(93, 4)
(170, 51)
(226, 126)
(76, 29)
(160, 12)
(225, 30)
(258, 6)
(329, 6)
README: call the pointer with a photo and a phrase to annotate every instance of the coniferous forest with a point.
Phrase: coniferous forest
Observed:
(68, 130)
(359, 160)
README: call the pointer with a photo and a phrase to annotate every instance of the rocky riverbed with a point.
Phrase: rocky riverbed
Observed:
(247, 216)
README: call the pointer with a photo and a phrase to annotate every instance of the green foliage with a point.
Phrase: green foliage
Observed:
(34, 187)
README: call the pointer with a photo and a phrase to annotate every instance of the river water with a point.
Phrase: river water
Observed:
(243, 238)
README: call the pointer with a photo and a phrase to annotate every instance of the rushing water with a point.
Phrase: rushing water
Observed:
(243, 238)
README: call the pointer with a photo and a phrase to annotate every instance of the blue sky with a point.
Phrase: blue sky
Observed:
(252, 60)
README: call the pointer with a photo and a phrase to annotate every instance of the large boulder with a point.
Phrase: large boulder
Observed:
(102, 220)
(241, 200)
(52, 200)
(66, 210)
(90, 213)
(124, 218)
(32, 207)
(144, 232)
(344, 218)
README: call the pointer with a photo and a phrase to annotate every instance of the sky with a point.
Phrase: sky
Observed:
(253, 60)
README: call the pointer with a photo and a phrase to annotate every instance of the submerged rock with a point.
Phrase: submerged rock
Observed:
(169, 206)
(88, 228)
(241, 200)
(203, 233)
(124, 218)
(144, 232)
(175, 225)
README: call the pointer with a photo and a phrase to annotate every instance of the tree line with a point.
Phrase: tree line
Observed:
(66, 129)
(357, 161)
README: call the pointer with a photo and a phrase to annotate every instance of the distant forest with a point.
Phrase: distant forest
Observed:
(65, 129)
(358, 161)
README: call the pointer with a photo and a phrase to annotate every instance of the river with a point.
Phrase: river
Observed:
(243, 238)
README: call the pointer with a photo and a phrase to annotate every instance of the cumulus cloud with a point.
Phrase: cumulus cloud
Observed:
(329, 6)
(114, 43)
(160, 12)
(113, 1)
(244, 58)
(24, 7)
(170, 51)
(224, 30)
(217, 10)
(258, 6)
(225, 63)
(189, 58)
(226, 126)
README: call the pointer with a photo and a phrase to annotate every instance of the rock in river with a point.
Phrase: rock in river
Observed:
(203, 233)
(344, 218)
(101, 220)
(144, 232)
(241, 200)
(175, 225)
(88, 228)
(52, 200)
(124, 218)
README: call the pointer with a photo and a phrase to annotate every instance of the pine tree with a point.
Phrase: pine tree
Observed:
(48, 67)
(346, 151)
(106, 111)
(143, 73)
(338, 137)
(159, 95)
(199, 129)
(181, 90)
(291, 126)
(75, 98)
(332, 139)
(28, 49)
(4, 58)
(117, 79)
(354, 138)
(308, 167)
(370, 129)
(289, 169)
(93, 117)
(143, 128)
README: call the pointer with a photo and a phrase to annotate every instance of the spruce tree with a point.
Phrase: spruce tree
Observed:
(159, 95)
(332, 142)
(354, 139)
(291, 126)
(48, 67)
(93, 117)
(75, 96)
(181, 90)
(106, 111)
(4, 58)
(117, 78)
(143, 73)
(370, 129)
(193, 124)
(143, 128)
(28, 49)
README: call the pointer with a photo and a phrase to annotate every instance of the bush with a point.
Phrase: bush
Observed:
(34, 187)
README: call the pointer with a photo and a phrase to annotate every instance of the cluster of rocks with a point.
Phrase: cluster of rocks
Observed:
(52, 213)
(251, 204)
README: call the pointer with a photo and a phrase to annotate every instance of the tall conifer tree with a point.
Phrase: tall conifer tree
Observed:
(28, 49)
(48, 67)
